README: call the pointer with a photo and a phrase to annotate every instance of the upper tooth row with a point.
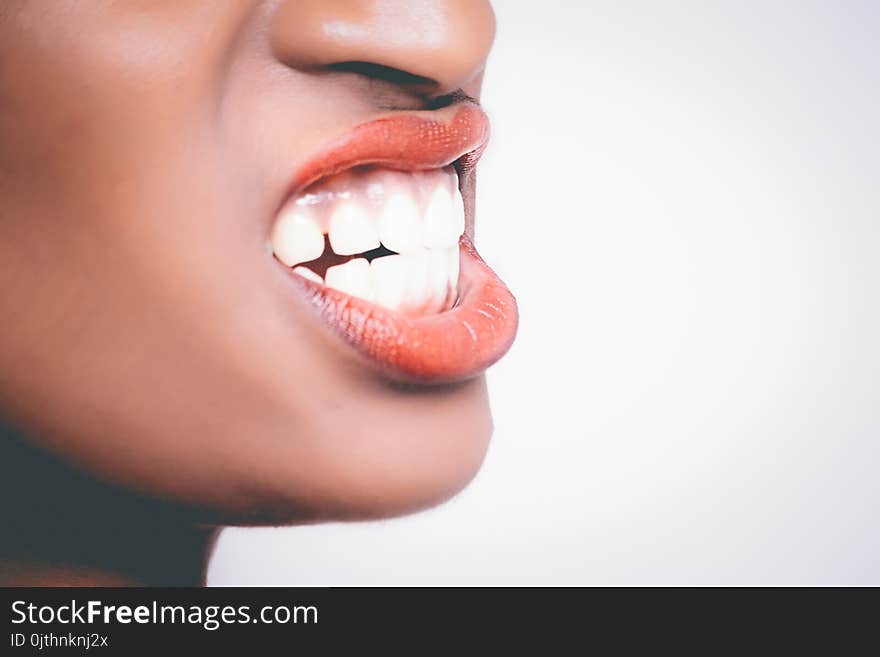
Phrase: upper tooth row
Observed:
(398, 224)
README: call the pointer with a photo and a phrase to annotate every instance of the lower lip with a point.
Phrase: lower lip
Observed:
(446, 347)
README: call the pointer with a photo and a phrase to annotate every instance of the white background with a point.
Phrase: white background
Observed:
(685, 198)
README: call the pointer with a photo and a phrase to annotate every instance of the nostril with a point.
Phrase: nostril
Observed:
(457, 96)
(404, 80)
(385, 73)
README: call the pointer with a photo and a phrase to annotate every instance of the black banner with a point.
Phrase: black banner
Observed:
(128, 621)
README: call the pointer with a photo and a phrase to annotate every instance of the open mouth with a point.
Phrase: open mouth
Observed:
(374, 232)
(388, 237)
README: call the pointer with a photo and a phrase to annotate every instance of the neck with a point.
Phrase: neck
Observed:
(145, 557)
(62, 527)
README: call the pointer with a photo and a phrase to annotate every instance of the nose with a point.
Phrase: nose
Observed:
(437, 46)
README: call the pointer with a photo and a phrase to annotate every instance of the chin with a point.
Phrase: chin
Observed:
(415, 449)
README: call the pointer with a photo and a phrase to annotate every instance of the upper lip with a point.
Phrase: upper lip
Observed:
(407, 141)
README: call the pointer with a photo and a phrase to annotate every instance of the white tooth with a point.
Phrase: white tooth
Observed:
(305, 272)
(458, 207)
(441, 222)
(351, 230)
(417, 288)
(296, 237)
(419, 282)
(353, 278)
(400, 282)
(438, 277)
(389, 275)
(454, 267)
(400, 224)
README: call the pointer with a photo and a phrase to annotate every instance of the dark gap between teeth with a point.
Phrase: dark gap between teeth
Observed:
(329, 259)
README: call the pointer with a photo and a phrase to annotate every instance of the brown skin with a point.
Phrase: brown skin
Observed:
(157, 370)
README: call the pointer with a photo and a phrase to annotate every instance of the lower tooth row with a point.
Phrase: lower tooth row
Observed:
(425, 281)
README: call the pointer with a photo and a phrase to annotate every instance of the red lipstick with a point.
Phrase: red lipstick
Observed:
(444, 347)
(406, 142)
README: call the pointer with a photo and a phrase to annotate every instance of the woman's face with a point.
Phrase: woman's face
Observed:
(164, 167)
